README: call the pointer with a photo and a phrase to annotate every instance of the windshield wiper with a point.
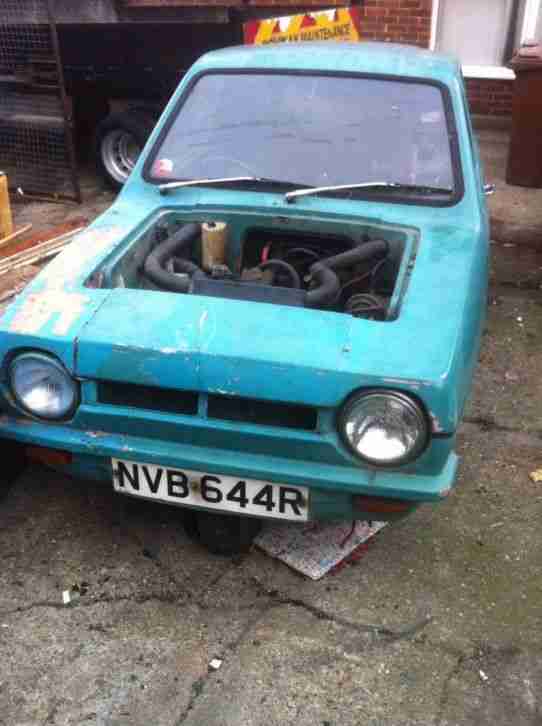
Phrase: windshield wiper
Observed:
(171, 186)
(290, 196)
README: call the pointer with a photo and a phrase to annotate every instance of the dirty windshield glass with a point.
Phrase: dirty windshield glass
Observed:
(308, 130)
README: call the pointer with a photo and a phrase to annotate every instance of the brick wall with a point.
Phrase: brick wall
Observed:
(397, 21)
(409, 21)
(490, 98)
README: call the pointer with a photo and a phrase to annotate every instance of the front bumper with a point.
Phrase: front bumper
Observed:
(332, 486)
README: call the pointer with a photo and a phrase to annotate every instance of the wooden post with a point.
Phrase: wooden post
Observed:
(6, 221)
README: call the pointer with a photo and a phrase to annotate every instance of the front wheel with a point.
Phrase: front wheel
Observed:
(226, 534)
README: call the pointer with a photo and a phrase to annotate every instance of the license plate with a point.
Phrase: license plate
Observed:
(211, 491)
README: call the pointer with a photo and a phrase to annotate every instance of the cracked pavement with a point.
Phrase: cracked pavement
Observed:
(439, 624)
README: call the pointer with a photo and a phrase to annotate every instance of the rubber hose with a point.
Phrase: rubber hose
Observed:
(364, 251)
(185, 266)
(179, 264)
(281, 265)
(155, 263)
(328, 283)
(303, 250)
(328, 286)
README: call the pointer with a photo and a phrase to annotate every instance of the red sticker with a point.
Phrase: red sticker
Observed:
(163, 167)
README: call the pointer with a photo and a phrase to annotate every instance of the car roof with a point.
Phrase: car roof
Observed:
(364, 57)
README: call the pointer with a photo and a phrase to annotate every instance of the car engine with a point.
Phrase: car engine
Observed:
(356, 277)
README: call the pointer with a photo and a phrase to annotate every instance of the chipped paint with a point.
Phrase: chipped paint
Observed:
(73, 258)
(53, 300)
(96, 434)
(403, 382)
(207, 329)
(37, 309)
(203, 318)
(435, 424)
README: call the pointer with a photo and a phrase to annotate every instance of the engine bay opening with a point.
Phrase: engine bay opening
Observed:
(333, 270)
(354, 273)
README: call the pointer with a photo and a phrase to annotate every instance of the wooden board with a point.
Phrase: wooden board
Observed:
(37, 252)
(15, 235)
(16, 246)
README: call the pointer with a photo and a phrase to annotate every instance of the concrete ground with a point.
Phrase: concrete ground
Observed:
(516, 212)
(440, 624)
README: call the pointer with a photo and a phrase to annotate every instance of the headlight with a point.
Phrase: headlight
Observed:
(42, 386)
(384, 427)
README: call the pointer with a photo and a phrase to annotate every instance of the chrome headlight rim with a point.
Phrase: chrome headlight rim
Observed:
(414, 406)
(48, 359)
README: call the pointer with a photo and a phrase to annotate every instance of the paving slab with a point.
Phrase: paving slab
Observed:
(133, 647)
(516, 212)
(440, 602)
(505, 692)
(507, 389)
(295, 668)
(400, 638)
(464, 571)
(56, 532)
(122, 662)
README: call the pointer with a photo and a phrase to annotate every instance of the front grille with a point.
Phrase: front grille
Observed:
(226, 408)
(265, 413)
(148, 397)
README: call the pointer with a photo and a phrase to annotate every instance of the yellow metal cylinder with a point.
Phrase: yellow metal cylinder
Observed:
(214, 236)
(6, 220)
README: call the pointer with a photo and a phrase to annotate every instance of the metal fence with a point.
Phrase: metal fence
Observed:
(36, 139)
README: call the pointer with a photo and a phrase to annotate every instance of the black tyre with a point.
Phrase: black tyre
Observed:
(118, 142)
(227, 534)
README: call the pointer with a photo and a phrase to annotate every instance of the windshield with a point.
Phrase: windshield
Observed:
(308, 130)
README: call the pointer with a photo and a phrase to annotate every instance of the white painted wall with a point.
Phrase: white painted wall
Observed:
(474, 30)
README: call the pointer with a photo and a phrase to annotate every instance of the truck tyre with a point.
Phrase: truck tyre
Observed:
(118, 142)
(227, 534)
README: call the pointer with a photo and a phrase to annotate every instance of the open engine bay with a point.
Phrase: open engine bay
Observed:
(354, 270)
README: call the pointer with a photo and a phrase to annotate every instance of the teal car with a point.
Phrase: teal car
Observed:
(281, 313)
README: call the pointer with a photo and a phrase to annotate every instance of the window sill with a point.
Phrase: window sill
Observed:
(489, 72)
